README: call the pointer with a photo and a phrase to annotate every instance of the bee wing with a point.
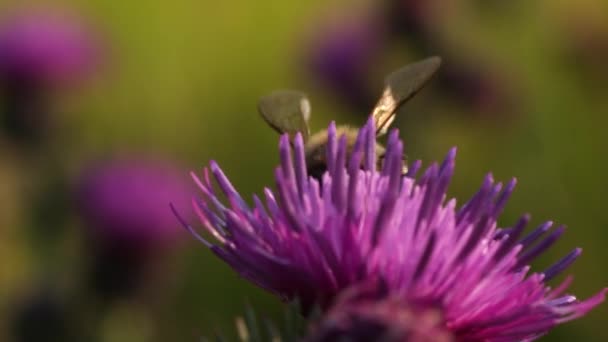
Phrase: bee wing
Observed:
(400, 86)
(287, 111)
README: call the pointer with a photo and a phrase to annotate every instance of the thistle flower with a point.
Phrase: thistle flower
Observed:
(482, 89)
(312, 242)
(40, 50)
(124, 206)
(413, 19)
(344, 56)
(341, 55)
(124, 200)
(45, 46)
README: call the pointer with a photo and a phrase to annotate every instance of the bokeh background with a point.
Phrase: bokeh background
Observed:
(88, 252)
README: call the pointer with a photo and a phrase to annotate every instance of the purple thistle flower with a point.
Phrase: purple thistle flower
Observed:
(344, 56)
(124, 200)
(311, 242)
(40, 50)
(124, 204)
(341, 56)
(480, 88)
(413, 19)
(46, 46)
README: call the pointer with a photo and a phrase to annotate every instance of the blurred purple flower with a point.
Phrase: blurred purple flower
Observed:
(341, 56)
(585, 48)
(412, 18)
(311, 242)
(344, 55)
(124, 204)
(40, 50)
(479, 88)
(126, 201)
(45, 46)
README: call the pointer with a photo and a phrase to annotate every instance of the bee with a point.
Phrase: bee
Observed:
(288, 111)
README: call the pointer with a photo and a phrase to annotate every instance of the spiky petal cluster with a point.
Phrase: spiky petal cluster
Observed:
(312, 241)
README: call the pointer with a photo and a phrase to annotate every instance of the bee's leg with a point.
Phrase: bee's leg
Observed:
(380, 164)
(317, 170)
(404, 169)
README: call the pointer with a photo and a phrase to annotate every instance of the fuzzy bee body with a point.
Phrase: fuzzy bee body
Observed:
(315, 149)
(288, 111)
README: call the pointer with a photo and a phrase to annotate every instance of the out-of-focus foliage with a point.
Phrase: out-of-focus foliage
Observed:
(181, 80)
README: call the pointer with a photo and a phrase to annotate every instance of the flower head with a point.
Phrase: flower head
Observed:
(344, 56)
(412, 18)
(124, 201)
(341, 55)
(45, 46)
(311, 242)
(40, 50)
(477, 87)
(124, 205)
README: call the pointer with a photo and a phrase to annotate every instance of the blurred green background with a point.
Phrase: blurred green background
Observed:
(182, 80)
